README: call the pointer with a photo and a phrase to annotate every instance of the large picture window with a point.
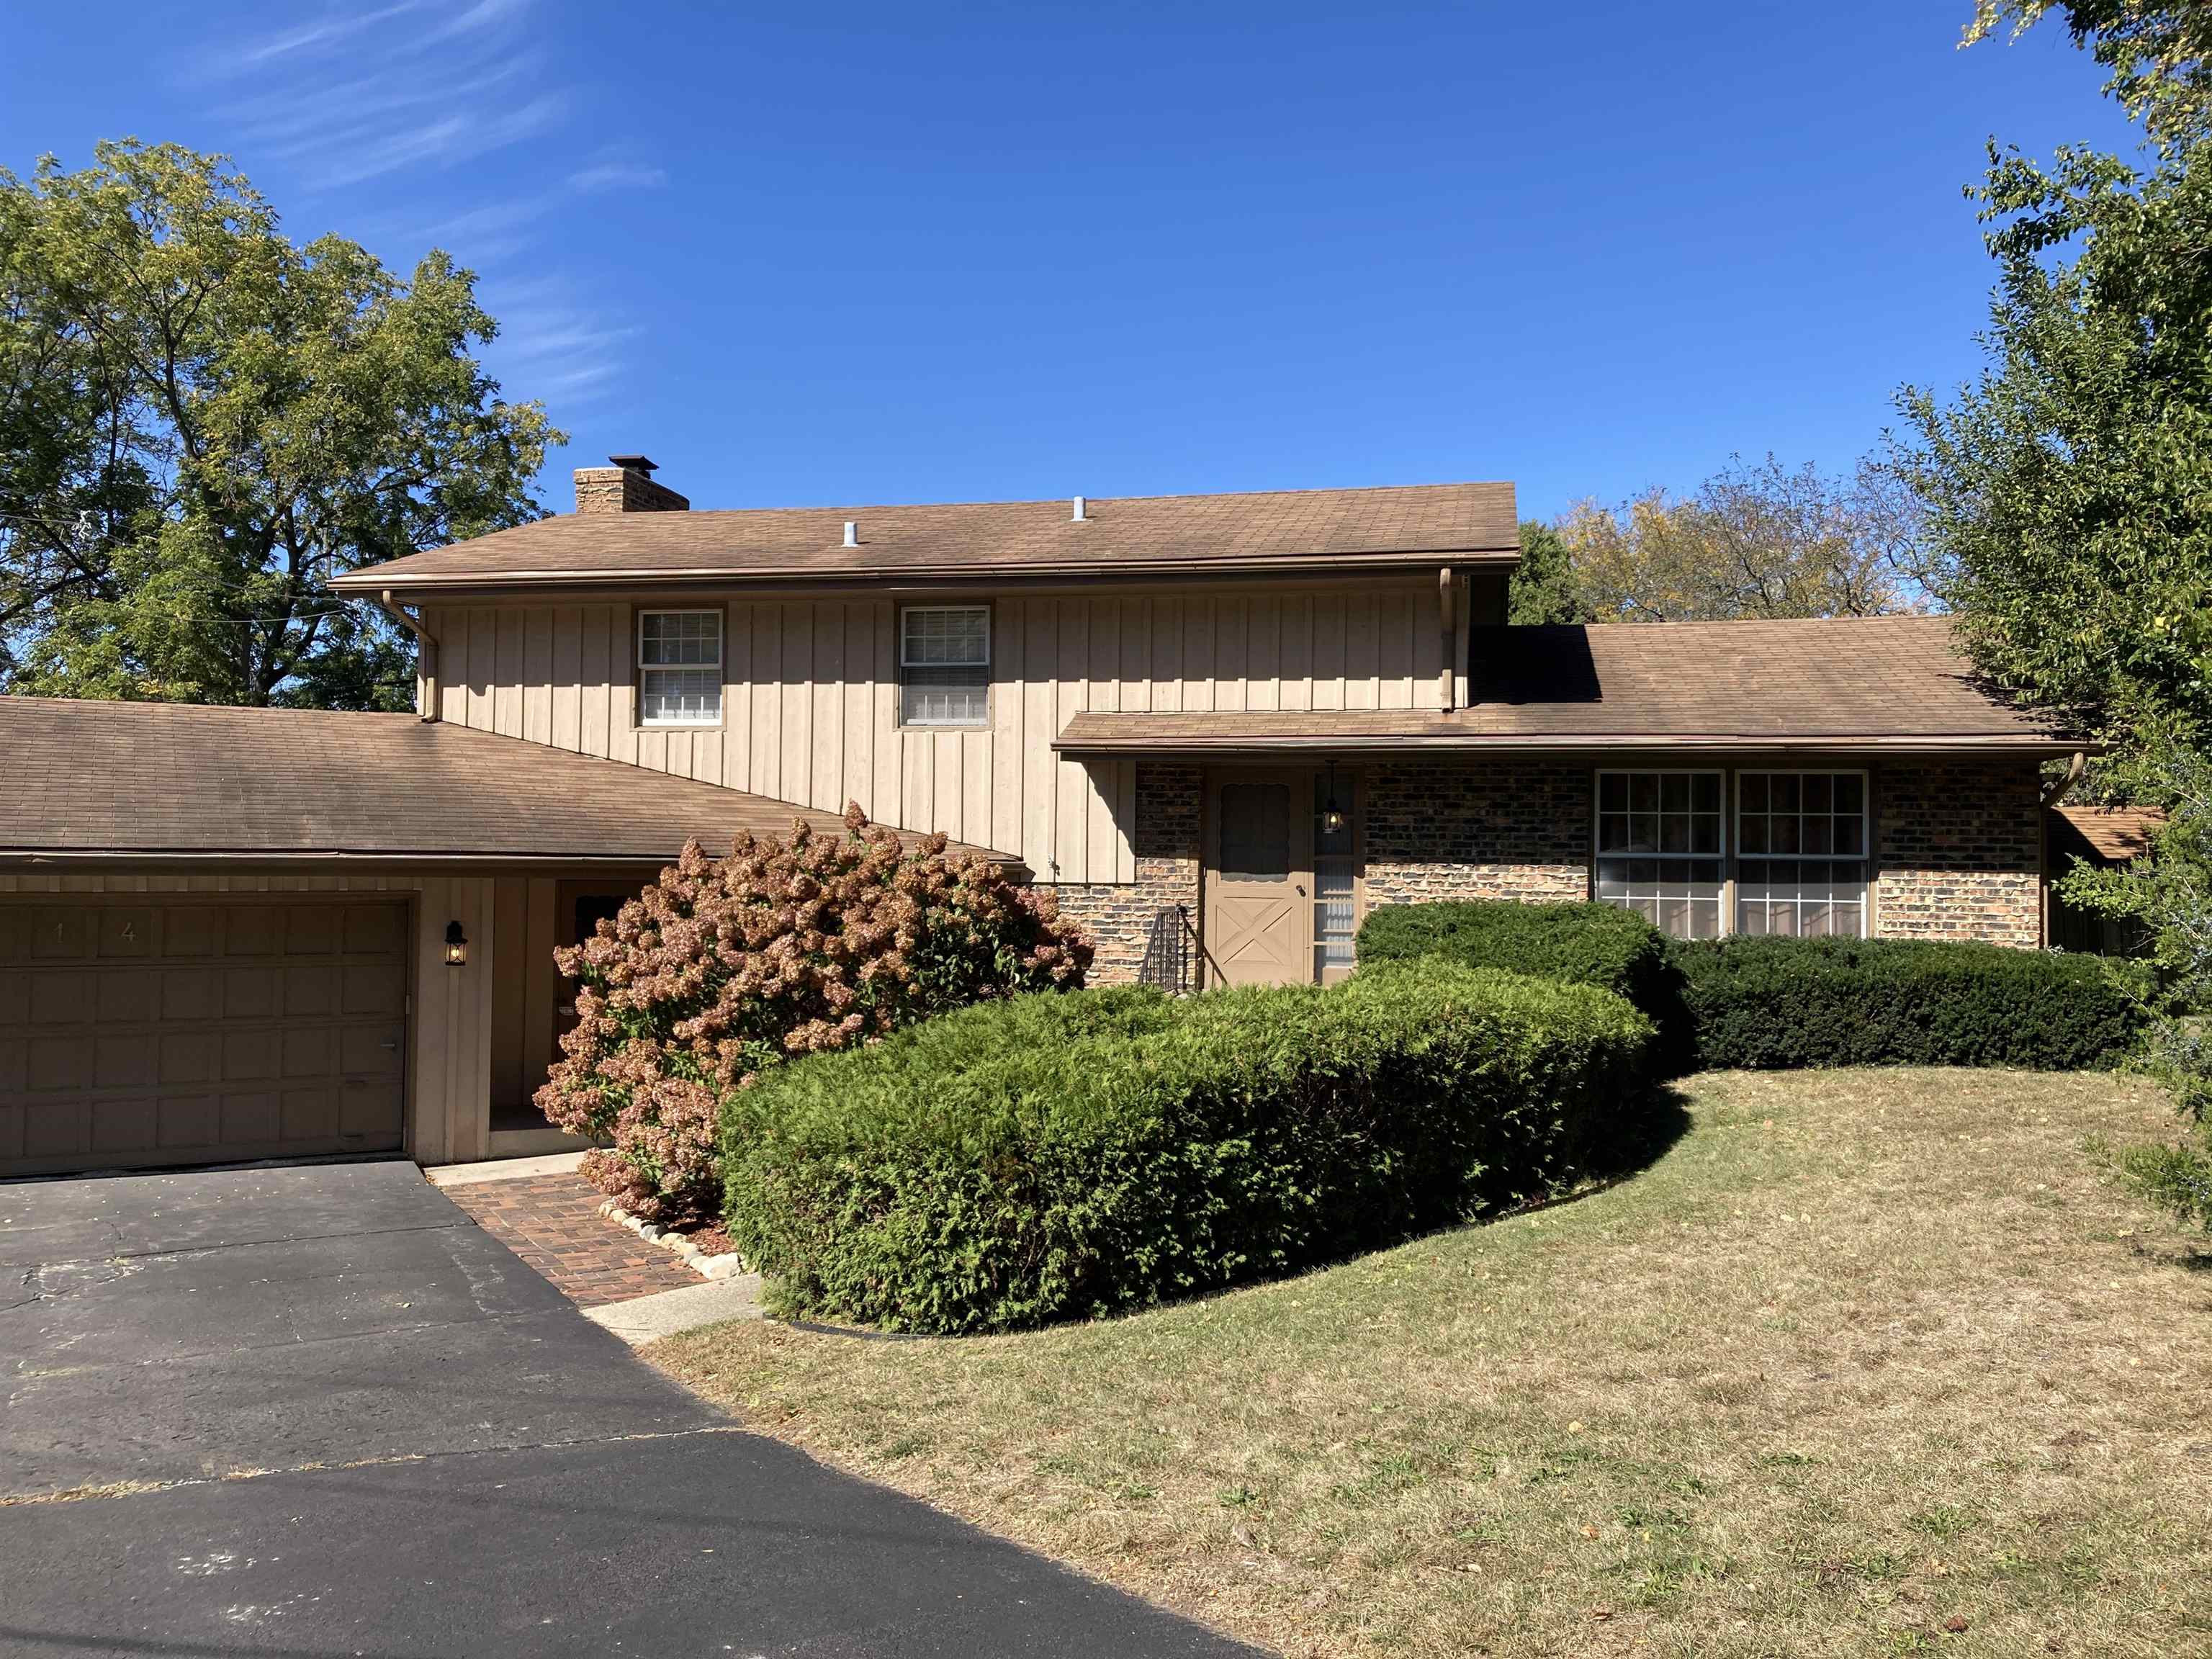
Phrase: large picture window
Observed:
(1802, 853)
(679, 667)
(1660, 847)
(945, 664)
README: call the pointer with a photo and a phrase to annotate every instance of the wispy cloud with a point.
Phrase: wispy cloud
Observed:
(349, 95)
(618, 175)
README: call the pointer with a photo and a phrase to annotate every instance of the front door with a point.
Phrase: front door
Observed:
(1259, 877)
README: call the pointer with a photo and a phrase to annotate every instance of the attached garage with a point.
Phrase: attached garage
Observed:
(224, 931)
(140, 1033)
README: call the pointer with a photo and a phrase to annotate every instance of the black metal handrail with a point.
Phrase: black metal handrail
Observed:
(1171, 951)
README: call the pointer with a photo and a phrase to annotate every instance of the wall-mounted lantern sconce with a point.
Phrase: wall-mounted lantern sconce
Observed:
(457, 945)
(1332, 814)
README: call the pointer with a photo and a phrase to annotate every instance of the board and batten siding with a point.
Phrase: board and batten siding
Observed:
(810, 711)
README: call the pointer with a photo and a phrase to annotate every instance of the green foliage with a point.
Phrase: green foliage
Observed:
(201, 421)
(2171, 894)
(1584, 943)
(725, 967)
(2159, 52)
(1762, 540)
(1542, 591)
(1770, 1004)
(1046, 1158)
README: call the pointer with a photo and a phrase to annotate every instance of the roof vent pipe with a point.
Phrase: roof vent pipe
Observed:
(1079, 514)
(852, 533)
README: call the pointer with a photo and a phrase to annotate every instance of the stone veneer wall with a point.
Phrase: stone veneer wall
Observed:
(1958, 847)
(1118, 915)
(1516, 829)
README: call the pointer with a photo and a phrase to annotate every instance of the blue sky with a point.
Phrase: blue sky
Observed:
(813, 255)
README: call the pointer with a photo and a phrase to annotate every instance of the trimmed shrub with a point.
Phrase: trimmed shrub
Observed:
(726, 967)
(1583, 944)
(1765, 1004)
(1045, 1158)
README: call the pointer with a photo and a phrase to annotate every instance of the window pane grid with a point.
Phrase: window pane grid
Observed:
(1660, 847)
(944, 665)
(679, 655)
(1801, 844)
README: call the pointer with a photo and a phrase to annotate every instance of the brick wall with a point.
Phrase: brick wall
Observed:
(1118, 915)
(1959, 849)
(623, 490)
(1496, 829)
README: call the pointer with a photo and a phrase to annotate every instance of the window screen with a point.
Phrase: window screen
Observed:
(1255, 832)
(1659, 848)
(944, 665)
(679, 667)
(1802, 853)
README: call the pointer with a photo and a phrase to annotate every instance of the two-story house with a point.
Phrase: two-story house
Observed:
(1236, 721)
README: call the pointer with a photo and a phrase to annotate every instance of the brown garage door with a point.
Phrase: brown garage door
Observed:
(137, 1032)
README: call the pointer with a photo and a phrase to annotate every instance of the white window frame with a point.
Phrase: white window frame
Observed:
(1724, 902)
(660, 722)
(904, 666)
(1743, 863)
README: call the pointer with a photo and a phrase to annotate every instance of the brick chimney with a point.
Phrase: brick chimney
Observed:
(625, 487)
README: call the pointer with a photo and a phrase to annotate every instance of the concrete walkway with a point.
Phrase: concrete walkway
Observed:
(317, 1411)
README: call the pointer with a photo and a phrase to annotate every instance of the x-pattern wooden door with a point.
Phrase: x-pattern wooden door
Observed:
(1259, 877)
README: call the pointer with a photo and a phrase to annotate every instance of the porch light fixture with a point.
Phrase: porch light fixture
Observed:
(457, 945)
(1332, 814)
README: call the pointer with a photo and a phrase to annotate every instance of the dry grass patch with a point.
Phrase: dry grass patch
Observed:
(1870, 1362)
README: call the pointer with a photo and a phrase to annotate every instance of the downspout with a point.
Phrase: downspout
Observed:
(427, 663)
(1446, 591)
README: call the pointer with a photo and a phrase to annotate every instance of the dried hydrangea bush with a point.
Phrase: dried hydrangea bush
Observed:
(725, 967)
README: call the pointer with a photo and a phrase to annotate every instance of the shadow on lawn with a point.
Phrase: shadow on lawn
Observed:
(1645, 1141)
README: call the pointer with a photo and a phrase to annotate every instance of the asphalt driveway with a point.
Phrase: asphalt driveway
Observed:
(319, 1411)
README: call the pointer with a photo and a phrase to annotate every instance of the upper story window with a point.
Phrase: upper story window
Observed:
(1802, 853)
(679, 667)
(1659, 848)
(945, 664)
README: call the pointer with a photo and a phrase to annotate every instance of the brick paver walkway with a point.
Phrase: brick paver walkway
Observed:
(552, 1222)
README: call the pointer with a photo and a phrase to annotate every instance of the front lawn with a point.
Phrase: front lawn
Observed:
(1869, 1362)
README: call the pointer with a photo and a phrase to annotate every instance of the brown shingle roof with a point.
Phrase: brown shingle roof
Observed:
(1884, 681)
(1279, 529)
(141, 779)
(2111, 834)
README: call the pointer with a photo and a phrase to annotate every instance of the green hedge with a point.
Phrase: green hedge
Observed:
(1598, 945)
(1056, 1157)
(1767, 1004)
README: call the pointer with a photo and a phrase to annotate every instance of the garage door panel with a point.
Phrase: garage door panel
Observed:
(58, 1064)
(125, 1126)
(310, 932)
(189, 930)
(55, 1128)
(372, 1110)
(189, 1032)
(311, 1115)
(190, 993)
(123, 932)
(62, 997)
(127, 997)
(310, 1051)
(125, 1062)
(190, 1120)
(58, 935)
(370, 988)
(252, 1056)
(310, 993)
(370, 1050)
(251, 992)
(190, 1057)
(253, 930)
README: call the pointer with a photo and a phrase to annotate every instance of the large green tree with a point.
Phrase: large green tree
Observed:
(1542, 589)
(201, 422)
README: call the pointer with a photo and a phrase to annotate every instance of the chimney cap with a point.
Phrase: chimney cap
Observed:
(633, 463)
